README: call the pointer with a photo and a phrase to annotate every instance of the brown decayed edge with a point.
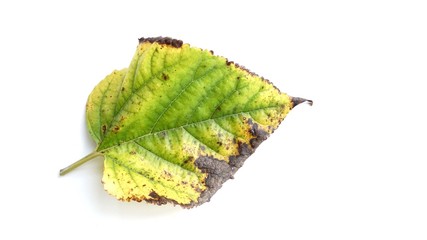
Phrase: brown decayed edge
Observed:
(219, 171)
(162, 40)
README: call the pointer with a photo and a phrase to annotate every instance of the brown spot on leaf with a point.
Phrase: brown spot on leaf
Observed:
(116, 129)
(167, 174)
(135, 198)
(104, 128)
(159, 200)
(153, 194)
(165, 76)
(189, 159)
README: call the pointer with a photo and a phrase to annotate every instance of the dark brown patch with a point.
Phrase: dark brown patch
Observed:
(258, 134)
(165, 76)
(123, 89)
(136, 199)
(189, 159)
(162, 40)
(104, 128)
(153, 194)
(218, 172)
(159, 200)
(116, 129)
(132, 153)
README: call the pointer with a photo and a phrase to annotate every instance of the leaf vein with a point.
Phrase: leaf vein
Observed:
(160, 157)
(115, 176)
(186, 125)
(200, 141)
(130, 170)
(216, 122)
(126, 102)
(101, 106)
(176, 97)
(132, 178)
(204, 96)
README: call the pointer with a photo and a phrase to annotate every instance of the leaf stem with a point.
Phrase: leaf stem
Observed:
(88, 157)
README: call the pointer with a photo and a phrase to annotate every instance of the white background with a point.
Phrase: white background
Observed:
(352, 166)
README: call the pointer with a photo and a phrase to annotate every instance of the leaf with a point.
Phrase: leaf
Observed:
(179, 122)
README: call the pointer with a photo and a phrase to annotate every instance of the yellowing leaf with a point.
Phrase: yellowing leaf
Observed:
(179, 122)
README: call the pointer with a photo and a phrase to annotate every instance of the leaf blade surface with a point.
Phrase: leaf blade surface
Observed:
(179, 122)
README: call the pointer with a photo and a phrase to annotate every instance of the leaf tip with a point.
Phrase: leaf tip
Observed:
(297, 100)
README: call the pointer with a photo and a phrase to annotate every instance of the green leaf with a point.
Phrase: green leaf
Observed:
(179, 122)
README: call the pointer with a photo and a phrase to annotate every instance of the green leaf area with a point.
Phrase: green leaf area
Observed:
(179, 122)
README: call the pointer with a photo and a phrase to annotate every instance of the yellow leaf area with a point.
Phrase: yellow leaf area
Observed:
(179, 122)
